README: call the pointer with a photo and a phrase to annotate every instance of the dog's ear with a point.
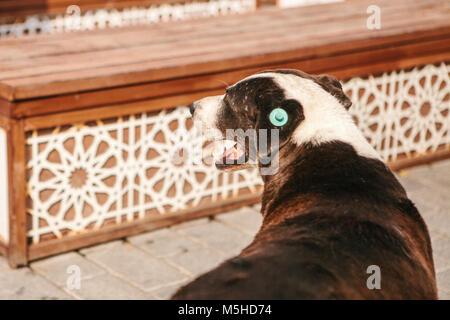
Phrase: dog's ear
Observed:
(334, 87)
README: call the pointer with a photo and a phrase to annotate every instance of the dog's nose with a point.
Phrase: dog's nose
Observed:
(192, 108)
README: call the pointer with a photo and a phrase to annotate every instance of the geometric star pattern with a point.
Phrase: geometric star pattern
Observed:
(403, 112)
(85, 176)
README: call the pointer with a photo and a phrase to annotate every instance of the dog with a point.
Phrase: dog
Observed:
(331, 211)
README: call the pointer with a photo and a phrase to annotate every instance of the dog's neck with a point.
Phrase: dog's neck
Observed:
(310, 173)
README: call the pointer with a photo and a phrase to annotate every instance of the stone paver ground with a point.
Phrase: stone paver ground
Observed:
(155, 264)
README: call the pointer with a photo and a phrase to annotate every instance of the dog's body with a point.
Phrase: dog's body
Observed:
(331, 210)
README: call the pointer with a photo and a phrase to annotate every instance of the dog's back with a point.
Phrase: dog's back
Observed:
(332, 210)
(338, 215)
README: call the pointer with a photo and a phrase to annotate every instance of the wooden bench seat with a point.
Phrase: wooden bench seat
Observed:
(187, 57)
(49, 81)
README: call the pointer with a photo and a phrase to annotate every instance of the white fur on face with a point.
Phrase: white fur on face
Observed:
(206, 112)
(326, 119)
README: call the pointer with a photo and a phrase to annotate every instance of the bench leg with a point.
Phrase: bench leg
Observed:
(17, 245)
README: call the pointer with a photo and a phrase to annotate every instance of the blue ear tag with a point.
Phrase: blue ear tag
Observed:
(278, 117)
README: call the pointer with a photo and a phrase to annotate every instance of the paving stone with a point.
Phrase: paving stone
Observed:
(257, 207)
(167, 292)
(410, 184)
(426, 202)
(108, 287)
(443, 201)
(442, 166)
(178, 249)
(247, 220)
(443, 294)
(441, 253)
(443, 280)
(55, 268)
(102, 247)
(23, 284)
(435, 235)
(4, 263)
(441, 180)
(197, 259)
(219, 236)
(419, 171)
(131, 263)
(194, 222)
(424, 190)
(163, 243)
(439, 222)
(432, 175)
(440, 174)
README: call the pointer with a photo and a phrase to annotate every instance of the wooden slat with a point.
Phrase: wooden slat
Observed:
(56, 45)
(5, 108)
(35, 66)
(162, 60)
(69, 82)
(109, 233)
(111, 111)
(343, 66)
(5, 122)
(52, 118)
(333, 11)
(420, 159)
(35, 122)
(253, 41)
(380, 67)
(17, 246)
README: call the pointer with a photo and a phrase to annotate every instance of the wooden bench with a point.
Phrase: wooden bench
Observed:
(19, 18)
(89, 119)
(23, 8)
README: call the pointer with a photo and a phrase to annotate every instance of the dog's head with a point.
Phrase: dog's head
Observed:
(303, 108)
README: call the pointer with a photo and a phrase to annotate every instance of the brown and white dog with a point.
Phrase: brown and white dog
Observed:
(331, 210)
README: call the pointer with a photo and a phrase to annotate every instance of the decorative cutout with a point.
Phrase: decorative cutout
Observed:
(82, 176)
(103, 18)
(403, 112)
(88, 175)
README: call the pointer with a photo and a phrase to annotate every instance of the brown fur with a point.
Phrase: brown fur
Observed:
(329, 213)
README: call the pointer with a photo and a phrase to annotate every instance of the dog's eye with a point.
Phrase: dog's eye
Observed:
(278, 117)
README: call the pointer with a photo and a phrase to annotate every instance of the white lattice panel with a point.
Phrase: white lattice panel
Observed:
(82, 176)
(125, 169)
(102, 18)
(403, 112)
(4, 200)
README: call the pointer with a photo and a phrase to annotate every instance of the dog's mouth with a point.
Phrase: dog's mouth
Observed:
(230, 156)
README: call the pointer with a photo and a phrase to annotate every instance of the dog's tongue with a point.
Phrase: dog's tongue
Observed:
(228, 154)
(234, 153)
